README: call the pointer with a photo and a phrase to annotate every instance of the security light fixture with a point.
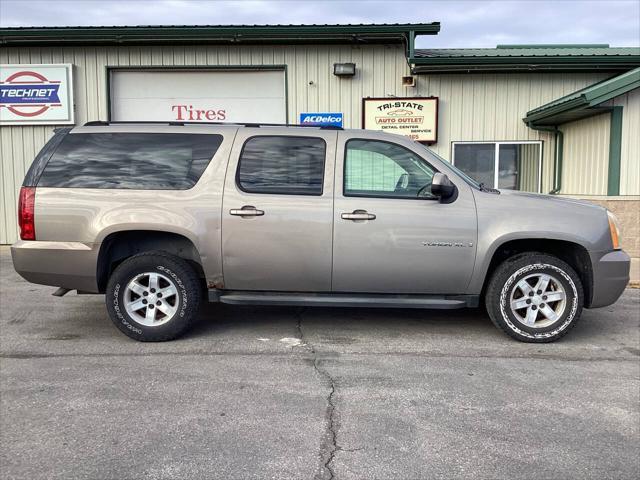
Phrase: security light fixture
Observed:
(344, 69)
(409, 81)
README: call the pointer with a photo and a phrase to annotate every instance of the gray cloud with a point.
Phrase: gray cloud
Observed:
(480, 23)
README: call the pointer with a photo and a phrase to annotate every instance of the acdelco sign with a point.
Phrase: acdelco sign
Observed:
(321, 119)
(36, 95)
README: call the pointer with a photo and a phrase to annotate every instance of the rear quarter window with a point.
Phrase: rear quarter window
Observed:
(143, 161)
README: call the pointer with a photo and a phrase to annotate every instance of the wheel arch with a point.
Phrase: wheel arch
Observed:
(120, 245)
(574, 254)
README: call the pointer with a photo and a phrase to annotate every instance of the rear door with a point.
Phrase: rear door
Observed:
(278, 210)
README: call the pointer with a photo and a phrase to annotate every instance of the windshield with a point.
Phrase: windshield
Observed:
(462, 175)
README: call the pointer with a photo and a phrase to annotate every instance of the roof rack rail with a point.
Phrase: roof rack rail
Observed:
(95, 123)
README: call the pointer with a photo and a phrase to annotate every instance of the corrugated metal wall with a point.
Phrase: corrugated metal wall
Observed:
(473, 106)
(528, 167)
(630, 161)
(491, 107)
(586, 156)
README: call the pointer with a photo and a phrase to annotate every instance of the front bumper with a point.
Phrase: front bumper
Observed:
(70, 265)
(610, 276)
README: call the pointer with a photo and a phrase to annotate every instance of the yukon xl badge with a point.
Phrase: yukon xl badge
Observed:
(447, 244)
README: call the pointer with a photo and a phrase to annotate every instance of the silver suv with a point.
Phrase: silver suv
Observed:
(160, 216)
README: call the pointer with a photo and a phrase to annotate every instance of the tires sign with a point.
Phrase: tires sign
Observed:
(33, 94)
(416, 118)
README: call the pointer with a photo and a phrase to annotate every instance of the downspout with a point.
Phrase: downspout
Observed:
(557, 154)
(410, 51)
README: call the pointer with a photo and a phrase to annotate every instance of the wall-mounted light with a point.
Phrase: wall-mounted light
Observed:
(409, 81)
(344, 69)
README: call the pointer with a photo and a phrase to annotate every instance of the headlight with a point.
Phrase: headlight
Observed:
(614, 230)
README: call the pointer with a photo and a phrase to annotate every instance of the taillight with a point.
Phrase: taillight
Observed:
(26, 213)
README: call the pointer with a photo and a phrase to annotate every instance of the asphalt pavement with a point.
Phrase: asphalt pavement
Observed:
(312, 393)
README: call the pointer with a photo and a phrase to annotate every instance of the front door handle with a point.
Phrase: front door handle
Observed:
(247, 211)
(358, 215)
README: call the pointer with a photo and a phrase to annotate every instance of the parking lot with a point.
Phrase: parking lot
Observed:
(257, 392)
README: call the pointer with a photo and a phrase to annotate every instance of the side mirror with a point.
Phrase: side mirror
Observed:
(442, 187)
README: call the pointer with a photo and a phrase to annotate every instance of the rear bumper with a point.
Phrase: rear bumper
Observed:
(70, 265)
(610, 276)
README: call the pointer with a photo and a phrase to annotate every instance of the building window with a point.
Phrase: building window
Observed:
(507, 165)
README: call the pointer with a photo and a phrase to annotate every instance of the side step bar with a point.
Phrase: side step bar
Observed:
(440, 302)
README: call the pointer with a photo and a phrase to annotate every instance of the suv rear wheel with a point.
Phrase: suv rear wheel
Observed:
(153, 296)
(534, 297)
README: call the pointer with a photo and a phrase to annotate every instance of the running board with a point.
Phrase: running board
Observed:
(440, 302)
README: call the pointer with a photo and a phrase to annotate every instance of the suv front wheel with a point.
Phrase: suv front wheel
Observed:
(534, 297)
(153, 296)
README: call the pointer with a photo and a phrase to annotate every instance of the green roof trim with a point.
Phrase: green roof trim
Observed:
(555, 45)
(592, 57)
(615, 151)
(584, 102)
(220, 34)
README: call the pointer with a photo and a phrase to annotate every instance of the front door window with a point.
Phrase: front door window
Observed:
(381, 169)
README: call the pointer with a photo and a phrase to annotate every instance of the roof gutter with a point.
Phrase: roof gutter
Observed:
(533, 60)
(221, 34)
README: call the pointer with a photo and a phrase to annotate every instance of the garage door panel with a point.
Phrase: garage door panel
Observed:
(218, 95)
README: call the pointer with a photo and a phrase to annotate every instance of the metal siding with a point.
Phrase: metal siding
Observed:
(490, 107)
(473, 106)
(630, 155)
(528, 167)
(586, 156)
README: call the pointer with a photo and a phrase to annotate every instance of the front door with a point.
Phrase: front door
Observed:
(278, 210)
(390, 234)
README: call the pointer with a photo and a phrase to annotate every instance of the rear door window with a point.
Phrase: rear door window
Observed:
(282, 165)
(144, 161)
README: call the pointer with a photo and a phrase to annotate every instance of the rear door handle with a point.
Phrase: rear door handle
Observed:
(358, 215)
(247, 211)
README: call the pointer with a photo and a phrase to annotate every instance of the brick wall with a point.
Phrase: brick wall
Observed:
(628, 213)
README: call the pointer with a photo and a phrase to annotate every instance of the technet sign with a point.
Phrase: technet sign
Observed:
(36, 95)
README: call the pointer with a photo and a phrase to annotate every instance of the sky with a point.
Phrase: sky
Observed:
(469, 23)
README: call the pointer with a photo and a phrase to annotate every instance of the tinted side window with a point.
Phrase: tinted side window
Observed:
(283, 165)
(375, 168)
(37, 167)
(145, 161)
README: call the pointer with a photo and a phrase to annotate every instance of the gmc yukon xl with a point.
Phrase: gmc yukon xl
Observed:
(159, 216)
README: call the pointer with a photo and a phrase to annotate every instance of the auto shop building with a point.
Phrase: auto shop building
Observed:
(561, 119)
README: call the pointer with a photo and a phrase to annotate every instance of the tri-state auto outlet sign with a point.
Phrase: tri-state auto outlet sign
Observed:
(416, 118)
(33, 94)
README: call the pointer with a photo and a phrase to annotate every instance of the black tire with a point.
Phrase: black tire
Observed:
(502, 287)
(186, 300)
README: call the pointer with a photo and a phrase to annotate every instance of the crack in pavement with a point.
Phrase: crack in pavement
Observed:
(330, 444)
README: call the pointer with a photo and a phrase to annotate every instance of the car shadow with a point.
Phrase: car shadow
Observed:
(220, 318)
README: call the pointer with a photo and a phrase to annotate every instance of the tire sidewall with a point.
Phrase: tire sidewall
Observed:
(513, 270)
(145, 264)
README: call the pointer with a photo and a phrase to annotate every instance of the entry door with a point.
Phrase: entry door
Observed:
(390, 234)
(278, 210)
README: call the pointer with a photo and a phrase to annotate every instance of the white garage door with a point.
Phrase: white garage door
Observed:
(198, 95)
